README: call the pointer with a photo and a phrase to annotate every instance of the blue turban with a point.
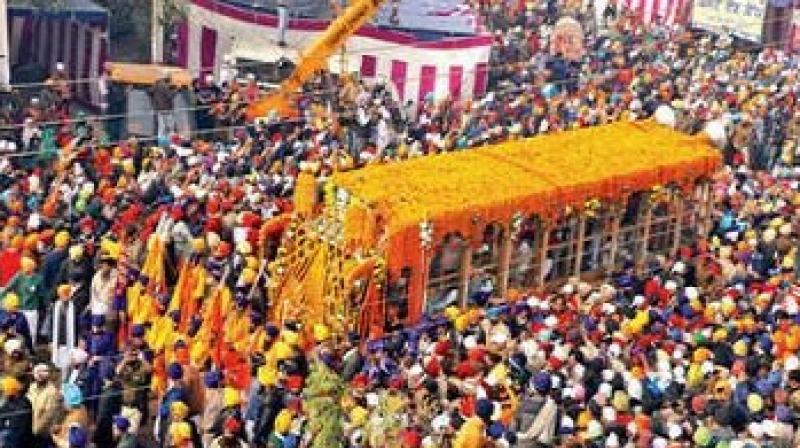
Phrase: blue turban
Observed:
(137, 331)
(73, 397)
(766, 343)
(98, 320)
(212, 379)
(783, 414)
(496, 430)
(175, 371)
(542, 382)
(121, 423)
(77, 437)
(484, 408)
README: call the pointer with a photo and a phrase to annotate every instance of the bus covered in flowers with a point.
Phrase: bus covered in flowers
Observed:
(380, 247)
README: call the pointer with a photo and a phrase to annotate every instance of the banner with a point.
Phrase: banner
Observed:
(444, 16)
(743, 18)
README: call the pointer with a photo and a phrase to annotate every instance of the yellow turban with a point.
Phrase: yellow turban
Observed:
(267, 376)
(244, 248)
(755, 403)
(470, 435)
(178, 410)
(499, 373)
(720, 334)
(321, 333)
(180, 432)
(290, 337)
(27, 264)
(198, 244)
(358, 416)
(620, 401)
(61, 239)
(11, 302)
(694, 377)
(75, 252)
(740, 348)
(451, 313)
(111, 248)
(10, 386)
(701, 354)
(64, 291)
(248, 276)
(283, 422)
(281, 350)
(251, 263)
(462, 322)
(230, 397)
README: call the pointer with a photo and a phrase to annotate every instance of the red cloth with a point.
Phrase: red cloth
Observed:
(442, 347)
(651, 287)
(10, 263)
(294, 383)
(433, 368)
(467, 406)
(465, 370)
(625, 76)
(410, 438)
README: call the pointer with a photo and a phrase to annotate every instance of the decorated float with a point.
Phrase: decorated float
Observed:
(382, 246)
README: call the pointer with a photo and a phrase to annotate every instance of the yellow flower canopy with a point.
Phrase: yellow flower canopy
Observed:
(536, 175)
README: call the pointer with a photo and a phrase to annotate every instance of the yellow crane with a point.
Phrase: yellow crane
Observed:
(314, 58)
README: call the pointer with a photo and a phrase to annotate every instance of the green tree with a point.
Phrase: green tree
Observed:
(323, 393)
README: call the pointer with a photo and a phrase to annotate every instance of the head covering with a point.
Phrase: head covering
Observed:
(73, 397)
(358, 416)
(77, 437)
(10, 386)
(98, 320)
(41, 372)
(11, 302)
(484, 408)
(175, 371)
(178, 410)
(61, 239)
(321, 333)
(230, 397)
(231, 424)
(121, 423)
(542, 382)
(755, 403)
(702, 436)
(283, 422)
(180, 432)
(212, 379)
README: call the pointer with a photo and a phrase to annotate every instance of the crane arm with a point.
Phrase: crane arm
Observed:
(315, 57)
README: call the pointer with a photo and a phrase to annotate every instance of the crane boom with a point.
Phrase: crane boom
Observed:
(314, 58)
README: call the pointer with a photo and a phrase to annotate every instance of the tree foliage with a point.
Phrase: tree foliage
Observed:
(324, 389)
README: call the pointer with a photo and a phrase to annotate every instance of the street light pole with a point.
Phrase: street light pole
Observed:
(283, 22)
(5, 69)
(156, 31)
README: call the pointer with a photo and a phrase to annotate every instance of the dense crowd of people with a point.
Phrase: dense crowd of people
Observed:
(110, 336)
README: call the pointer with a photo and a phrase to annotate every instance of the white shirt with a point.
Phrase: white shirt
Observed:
(102, 292)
